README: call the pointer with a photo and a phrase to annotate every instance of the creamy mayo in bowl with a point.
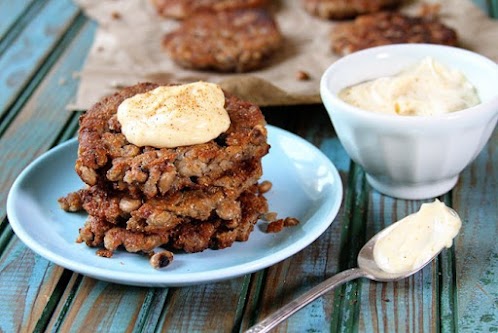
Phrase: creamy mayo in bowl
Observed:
(424, 89)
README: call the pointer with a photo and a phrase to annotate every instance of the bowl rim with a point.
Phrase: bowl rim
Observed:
(490, 106)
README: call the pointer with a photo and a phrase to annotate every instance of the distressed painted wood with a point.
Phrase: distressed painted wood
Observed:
(27, 282)
(344, 317)
(186, 310)
(20, 62)
(35, 129)
(11, 12)
(476, 200)
(97, 306)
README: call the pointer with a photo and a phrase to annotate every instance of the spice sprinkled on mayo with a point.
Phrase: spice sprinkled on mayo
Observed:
(174, 116)
(428, 88)
(410, 242)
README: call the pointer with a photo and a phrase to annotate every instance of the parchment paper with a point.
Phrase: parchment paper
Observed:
(127, 49)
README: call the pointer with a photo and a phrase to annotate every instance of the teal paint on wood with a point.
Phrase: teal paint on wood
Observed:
(253, 298)
(34, 130)
(207, 308)
(39, 122)
(151, 309)
(409, 305)
(24, 287)
(10, 12)
(447, 285)
(57, 316)
(23, 57)
(345, 311)
(493, 10)
(476, 249)
(102, 307)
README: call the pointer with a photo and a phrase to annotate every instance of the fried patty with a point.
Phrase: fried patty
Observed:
(343, 9)
(106, 157)
(181, 9)
(160, 213)
(191, 235)
(388, 27)
(227, 41)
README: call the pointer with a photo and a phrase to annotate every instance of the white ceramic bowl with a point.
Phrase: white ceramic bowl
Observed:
(413, 157)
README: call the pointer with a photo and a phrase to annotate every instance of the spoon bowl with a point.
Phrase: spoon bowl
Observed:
(371, 270)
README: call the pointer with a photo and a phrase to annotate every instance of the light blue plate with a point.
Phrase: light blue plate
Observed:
(306, 185)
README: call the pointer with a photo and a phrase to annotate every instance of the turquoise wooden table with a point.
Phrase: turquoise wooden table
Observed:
(42, 45)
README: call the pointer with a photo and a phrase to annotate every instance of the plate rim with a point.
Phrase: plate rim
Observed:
(195, 278)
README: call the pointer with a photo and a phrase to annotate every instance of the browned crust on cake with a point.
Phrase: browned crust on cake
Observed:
(389, 28)
(343, 9)
(106, 157)
(228, 41)
(180, 9)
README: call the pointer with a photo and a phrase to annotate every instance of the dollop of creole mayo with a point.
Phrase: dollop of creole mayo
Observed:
(174, 116)
(428, 88)
(410, 242)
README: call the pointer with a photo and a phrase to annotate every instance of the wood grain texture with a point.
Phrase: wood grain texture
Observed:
(345, 314)
(476, 200)
(99, 306)
(33, 131)
(24, 55)
(209, 308)
(37, 126)
(27, 282)
(10, 14)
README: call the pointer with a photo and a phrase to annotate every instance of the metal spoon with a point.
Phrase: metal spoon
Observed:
(367, 268)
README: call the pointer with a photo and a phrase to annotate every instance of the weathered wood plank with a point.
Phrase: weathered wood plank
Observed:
(446, 286)
(476, 200)
(26, 286)
(25, 55)
(204, 308)
(10, 12)
(35, 129)
(345, 314)
(99, 306)
(151, 310)
(119, 308)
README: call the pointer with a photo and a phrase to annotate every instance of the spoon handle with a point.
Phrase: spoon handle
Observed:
(292, 307)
